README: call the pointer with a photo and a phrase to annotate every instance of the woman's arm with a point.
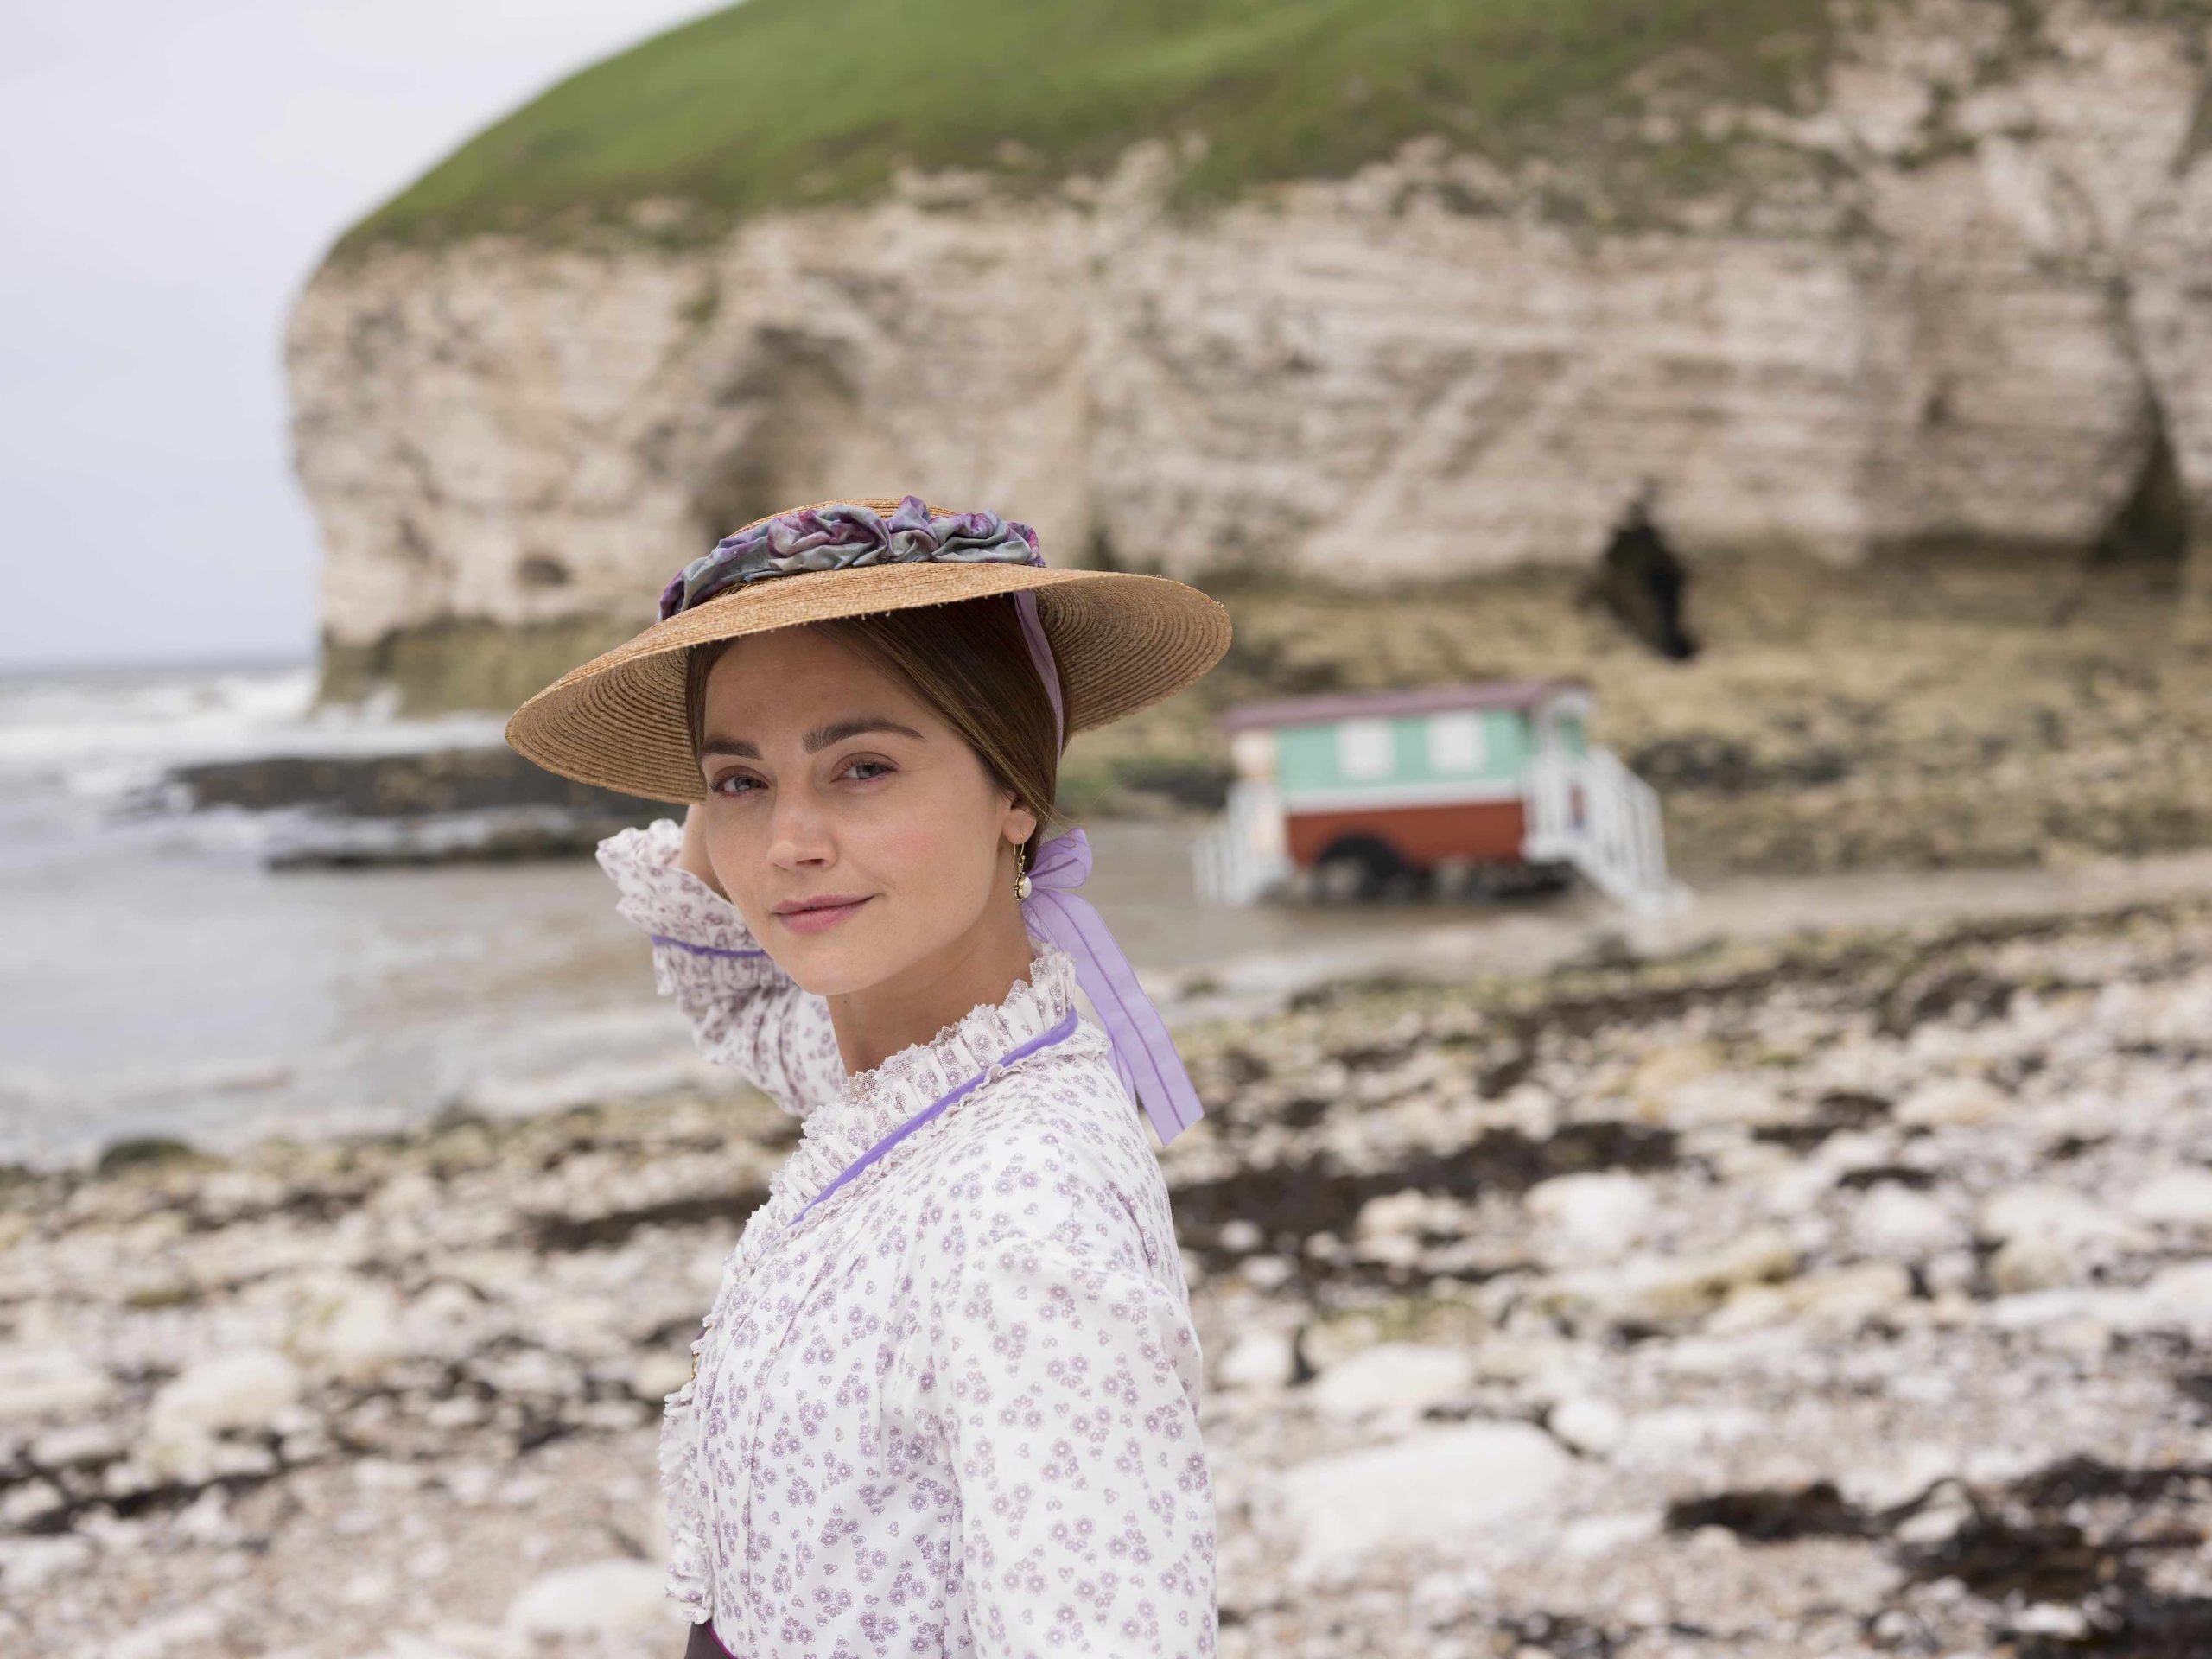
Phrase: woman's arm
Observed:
(746, 1013)
(1087, 1512)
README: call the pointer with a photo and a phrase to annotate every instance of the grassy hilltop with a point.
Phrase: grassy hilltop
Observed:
(791, 103)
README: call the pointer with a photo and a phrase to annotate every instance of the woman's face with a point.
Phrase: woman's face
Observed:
(828, 777)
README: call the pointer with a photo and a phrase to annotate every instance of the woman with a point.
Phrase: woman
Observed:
(945, 1399)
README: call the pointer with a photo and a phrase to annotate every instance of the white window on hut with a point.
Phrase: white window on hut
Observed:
(1455, 742)
(1363, 748)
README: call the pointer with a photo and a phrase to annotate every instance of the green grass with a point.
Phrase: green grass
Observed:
(789, 103)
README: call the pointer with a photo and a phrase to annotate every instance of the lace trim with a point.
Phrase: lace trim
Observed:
(1062, 1029)
(833, 1136)
(878, 1101)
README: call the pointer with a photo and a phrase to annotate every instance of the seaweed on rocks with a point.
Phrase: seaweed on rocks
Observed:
(1772, 1515)
(1291, 1200)
(2074, 1537)
(1564, 1636)
(146, 1151)
(2081, 1533)
(562, 1232)
(1945, 990)
(2196, 1387)
(1868, 1175)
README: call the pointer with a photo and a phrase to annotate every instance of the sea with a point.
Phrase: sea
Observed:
(157, 978)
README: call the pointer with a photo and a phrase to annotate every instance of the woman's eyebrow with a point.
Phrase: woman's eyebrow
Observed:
(820, 738)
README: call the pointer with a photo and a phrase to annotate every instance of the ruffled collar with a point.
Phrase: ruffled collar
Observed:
(876, 1102)
(836, 1132)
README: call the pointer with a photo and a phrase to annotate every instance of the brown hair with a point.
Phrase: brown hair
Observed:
(969, 662)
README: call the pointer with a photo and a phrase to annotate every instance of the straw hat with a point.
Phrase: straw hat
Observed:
(1123, 642)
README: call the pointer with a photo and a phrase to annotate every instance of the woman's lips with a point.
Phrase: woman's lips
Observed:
(814, 921)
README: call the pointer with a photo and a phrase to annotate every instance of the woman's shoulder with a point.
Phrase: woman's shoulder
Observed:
(1059, 1149)
(1066, 1100)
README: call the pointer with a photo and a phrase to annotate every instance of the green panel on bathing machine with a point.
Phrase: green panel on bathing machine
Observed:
(1486, 746)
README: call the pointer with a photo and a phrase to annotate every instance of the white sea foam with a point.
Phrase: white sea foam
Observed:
(106, 732)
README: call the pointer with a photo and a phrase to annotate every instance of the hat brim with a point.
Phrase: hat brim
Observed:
(1123, 642)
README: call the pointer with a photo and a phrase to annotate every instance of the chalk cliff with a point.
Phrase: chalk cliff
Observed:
(1958, 297)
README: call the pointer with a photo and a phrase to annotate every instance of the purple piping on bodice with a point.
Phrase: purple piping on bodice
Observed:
(1059, 1032)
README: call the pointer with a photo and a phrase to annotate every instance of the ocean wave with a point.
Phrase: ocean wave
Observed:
(105, 734)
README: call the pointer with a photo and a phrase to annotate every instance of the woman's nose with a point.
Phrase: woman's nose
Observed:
(798, 828)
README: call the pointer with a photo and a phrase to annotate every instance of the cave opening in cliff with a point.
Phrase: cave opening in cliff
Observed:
(1640, 580)
(2150, 529)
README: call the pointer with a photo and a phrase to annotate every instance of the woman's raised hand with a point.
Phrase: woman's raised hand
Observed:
(694, 855)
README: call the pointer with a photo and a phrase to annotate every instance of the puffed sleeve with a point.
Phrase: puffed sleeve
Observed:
(746, 1013)
(1087, 1512)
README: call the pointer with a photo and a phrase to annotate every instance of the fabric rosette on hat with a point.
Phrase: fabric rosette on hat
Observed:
(841, 536)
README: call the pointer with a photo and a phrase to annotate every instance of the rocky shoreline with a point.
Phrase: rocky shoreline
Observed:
(1849, 1294)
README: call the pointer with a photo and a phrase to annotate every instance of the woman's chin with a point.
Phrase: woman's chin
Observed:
(844, 958)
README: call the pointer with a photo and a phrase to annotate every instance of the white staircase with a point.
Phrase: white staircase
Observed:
(1590, 811)
(1240, 855)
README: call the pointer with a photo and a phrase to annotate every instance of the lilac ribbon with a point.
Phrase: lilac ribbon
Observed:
(1041, 655)
(1144, 1055)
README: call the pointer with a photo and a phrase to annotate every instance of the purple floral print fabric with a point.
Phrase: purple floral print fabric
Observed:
(954, 1409)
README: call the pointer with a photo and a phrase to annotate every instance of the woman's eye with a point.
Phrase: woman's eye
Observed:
(735, 783)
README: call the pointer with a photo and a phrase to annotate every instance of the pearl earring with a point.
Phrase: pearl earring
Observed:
(1022, 884)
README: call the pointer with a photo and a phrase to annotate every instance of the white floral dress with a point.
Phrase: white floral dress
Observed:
(954, 1409)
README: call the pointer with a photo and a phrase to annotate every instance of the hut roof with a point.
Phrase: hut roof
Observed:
(1374, 705)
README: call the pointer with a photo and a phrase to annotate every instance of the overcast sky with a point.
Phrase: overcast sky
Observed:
(169, 177)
